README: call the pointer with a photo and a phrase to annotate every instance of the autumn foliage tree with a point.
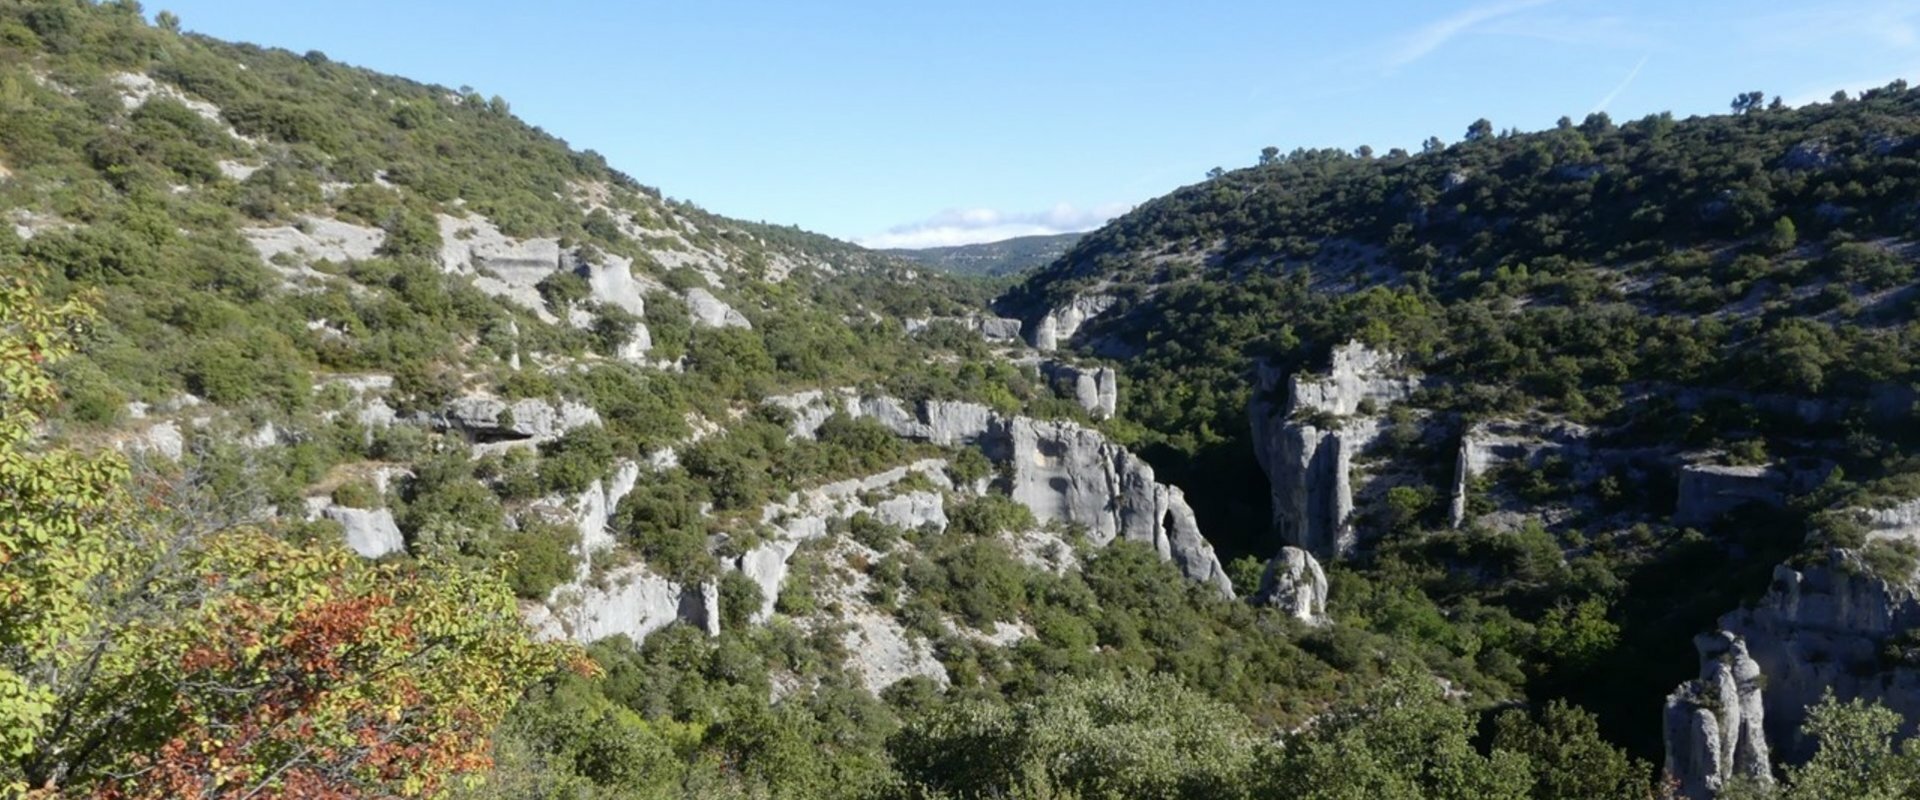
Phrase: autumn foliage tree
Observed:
(148, 651)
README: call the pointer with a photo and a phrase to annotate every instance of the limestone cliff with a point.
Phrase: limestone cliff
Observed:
(1062, 471)
(1056, 329)
(1308, 439)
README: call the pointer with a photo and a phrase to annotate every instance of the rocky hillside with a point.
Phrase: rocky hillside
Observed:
(1518, 468)
(1595, 386)
(993, 259)
(811, 511)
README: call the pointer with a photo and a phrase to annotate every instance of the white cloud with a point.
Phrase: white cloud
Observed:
(1437, 34)
(957, 226)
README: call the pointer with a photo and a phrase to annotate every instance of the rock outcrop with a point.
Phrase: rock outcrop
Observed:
(289, 249)
(1715, 725)
(1061, 471)
(712, 312)
(1064, 472)
(1489, 444)
(1096, 389)
(807, 516)
(998, 330)
(1058, 326)
(629, 601)
(1294, 583)
(370, 532)
(1837, 625)
(1308, 441)
(488, 420)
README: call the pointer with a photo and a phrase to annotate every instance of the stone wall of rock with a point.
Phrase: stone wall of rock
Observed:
(1057, 327)
(1096, 389)
(1492, 443)
(1062, 471)
(1715, 725)
(486, 419)
(1294, 583)
(1821, 627)
(370, 532)
(1308, 439)
(997, 330)
(629, 601)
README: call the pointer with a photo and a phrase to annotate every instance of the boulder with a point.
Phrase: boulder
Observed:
(1294, 583)
(370, 532)
(710, 311)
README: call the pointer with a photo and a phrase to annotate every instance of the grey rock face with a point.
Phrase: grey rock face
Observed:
(637, 346)
(316, 239)
(913, 511)
(630, 601)
(992, 329)
(1295, 583)
(1489, 444)
(710, 311)
(502, 266)
(1059, 325)
(490, 419)
(1096, 389)
(370, 532)
(1715, 726)
(942, 422)
(1061, 471)
(1816, 154)
(1000, 329)
(612, 283)
(1827, 627)
(1709, 491)
(164, 439)
(1310, 470)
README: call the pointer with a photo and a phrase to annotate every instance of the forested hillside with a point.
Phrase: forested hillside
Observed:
(1605, 375)
(360, 439)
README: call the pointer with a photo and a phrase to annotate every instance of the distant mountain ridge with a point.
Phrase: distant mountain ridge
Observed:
(993, 259)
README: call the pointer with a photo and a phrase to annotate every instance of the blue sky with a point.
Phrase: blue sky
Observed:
(917, 122)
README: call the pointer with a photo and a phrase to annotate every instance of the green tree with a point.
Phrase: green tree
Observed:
(1783, 236)
(57, 509)
(1568, 758)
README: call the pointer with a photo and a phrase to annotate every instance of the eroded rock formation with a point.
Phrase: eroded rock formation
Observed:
(1061, 471)
(1308, 439)
(1295, 583)
(1096, 389)
(1715, 725)
(1058, 326)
